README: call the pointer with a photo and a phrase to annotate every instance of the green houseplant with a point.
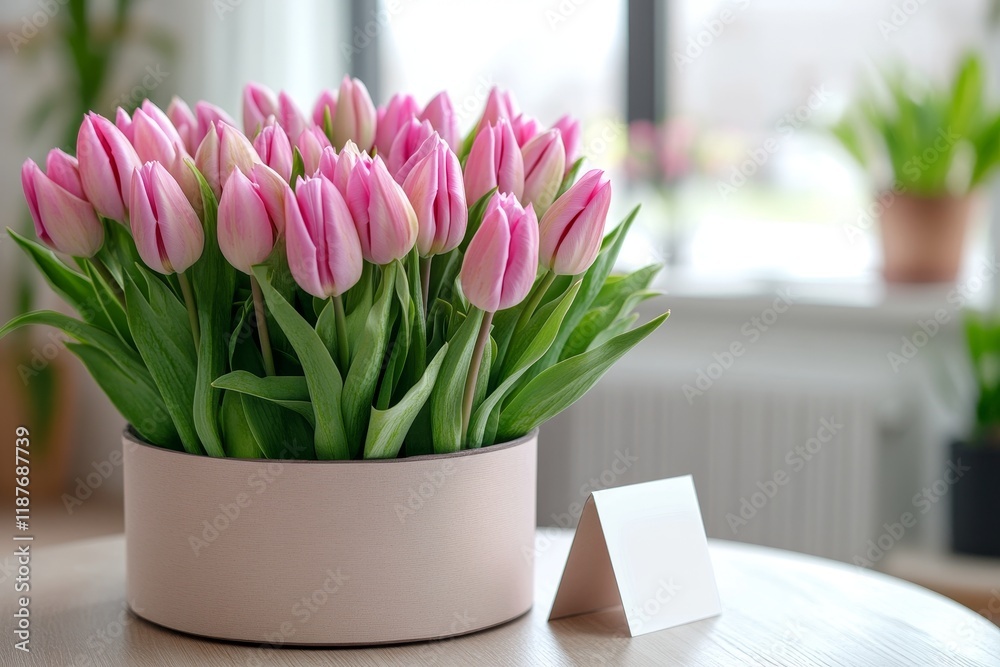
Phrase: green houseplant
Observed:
(976, 496)
(927, 150)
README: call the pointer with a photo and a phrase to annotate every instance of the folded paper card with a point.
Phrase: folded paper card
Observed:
(643, 548)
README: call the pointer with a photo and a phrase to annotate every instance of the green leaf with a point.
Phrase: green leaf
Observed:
(362, 378)
(326, 327)
(597, 320)
(298, 167)
(113, 310)
(133, 394)
(540, 334)
(288, 391)
(240, 441)
(446, 399)
(558, 387)
(570, 178)
(322, 377)
(70, 285)
(214, 283)
(279, 435)
(388, 428)
(165, 344)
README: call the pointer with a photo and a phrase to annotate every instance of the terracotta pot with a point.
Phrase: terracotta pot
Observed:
(923, 237)
(330, 552)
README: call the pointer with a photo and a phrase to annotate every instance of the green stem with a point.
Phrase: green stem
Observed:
(105, 274)
(343, 351)
(472, 379)
(265, 337)
(425, 281)
(192, 310)
(534, 299)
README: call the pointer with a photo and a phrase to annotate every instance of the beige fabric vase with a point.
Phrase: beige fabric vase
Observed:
(330, 552)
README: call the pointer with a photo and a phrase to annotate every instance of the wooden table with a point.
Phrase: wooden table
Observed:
(781, 608)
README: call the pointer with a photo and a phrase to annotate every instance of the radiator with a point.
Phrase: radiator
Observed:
(739, 440)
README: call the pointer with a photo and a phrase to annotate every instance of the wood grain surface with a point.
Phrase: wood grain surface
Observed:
(780, 608)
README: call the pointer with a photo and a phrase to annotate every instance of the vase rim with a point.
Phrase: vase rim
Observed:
(134, 438)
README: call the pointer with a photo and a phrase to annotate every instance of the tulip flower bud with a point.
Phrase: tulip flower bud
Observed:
(106, 161)
(155, 144)
(393, 117)
(436, 190)
(64, 220)
(290, 117)
(500, 265)
(571, 133)
(441, 115)
(495, 161)
(407, 141)
(571, 230)
(274, 149)
(167, 232)
(544, 168)
(328, 161)
(342, 167)
(500, 104)
(209, 115)
(224, 149)
(325, 104)
(259, 102)
(184, 120)
(386, 222)
(247, 229)
(324, 252)
(525, 129)
(356, 116)
(311, 144)
(429, 145)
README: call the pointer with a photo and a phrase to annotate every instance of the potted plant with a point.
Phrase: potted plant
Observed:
(975, 506)
(927, 150)
(334, 337)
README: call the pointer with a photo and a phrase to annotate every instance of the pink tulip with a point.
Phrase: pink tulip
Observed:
(436, 190)
(544, 167)
(494, 162)
(441, 115)
(64, 220)
(569, 128)
(339, 168)
(311, 144)
(525, 129)
(502, 260)
(428, 146)
(407, 141)
(500, 104)
(386, 222)
(259, 102)
(324, 252)
(167, 232)
(106, 161)
(356, 115)
(154, 143)
(571, 230)
(328, 161)
(223, 149)
(394, 116)
(248, 226)
(290, 116)
(184, 120)
(209, 115)
(326, 103)
(274, 148)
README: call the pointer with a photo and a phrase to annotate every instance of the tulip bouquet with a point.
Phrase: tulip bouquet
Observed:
(358, 282)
